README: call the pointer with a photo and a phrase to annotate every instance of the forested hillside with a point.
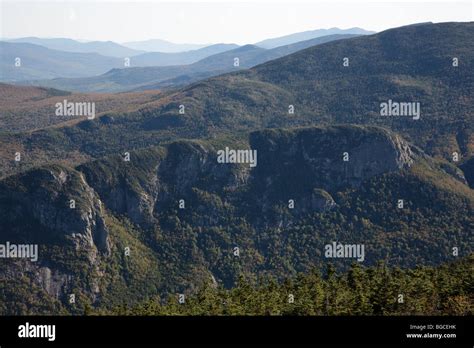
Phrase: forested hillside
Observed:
(270, 172)
(407, 64)
(188, 220)
(379, 290)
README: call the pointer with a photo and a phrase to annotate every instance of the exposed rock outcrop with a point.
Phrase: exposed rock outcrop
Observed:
(328, 157)
(58, 200)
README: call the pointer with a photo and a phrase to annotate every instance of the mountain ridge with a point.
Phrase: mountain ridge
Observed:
(171, 76)
(158, 45)
(260, 97)
(179, 58)
(105, 48)
(38, 62)
(309, 34)
(136, 205)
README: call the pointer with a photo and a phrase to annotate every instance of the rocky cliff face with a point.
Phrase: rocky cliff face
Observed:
(309, 164)
(156, 179)
(300, 173)
(59, 200)
(52, 207)
(329, 157)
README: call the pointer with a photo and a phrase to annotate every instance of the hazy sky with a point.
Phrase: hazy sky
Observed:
(213, 21)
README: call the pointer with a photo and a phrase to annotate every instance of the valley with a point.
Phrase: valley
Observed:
(166, 183)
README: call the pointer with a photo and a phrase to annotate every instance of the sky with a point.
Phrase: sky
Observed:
(199, 22)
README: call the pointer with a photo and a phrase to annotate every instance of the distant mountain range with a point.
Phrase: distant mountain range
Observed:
(248, 56)
(105, 48)
(322, 90)
(145, 78)
(310, 34)
(157, 45)
(49, 58)
(38, 62)
(179, 58)
(279, 214)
